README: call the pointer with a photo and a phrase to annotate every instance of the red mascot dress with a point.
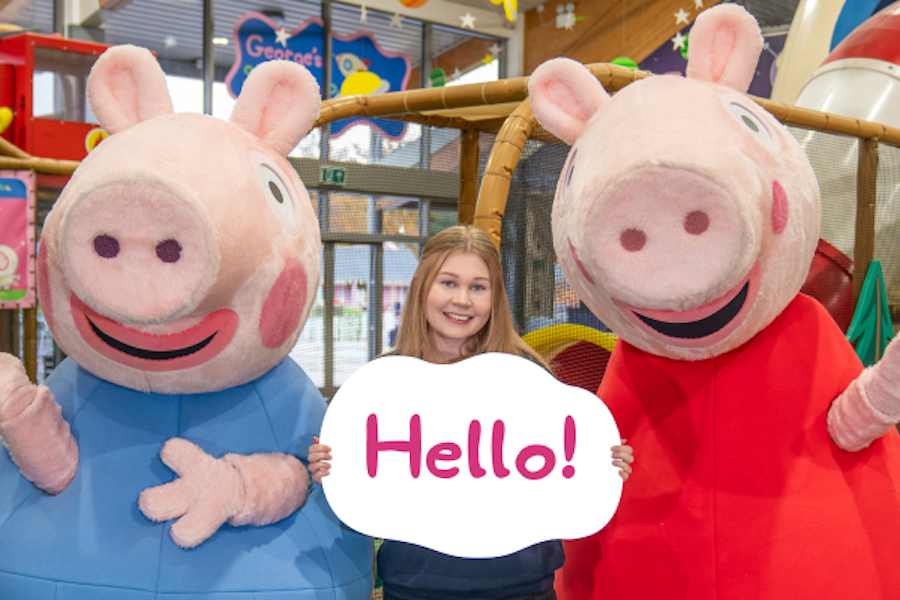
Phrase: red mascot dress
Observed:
(738, 491)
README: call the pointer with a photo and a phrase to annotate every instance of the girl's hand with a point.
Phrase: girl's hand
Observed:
(318, 458)
(623, 456)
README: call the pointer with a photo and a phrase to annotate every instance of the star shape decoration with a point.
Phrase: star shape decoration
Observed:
(170, 42)
(468, 21)
(363, 14)
(494, 50)
(681, 16)
(698, 4)
(455, 74)
(488, 59)
(282, 36)
(397, 21)
(678, 41)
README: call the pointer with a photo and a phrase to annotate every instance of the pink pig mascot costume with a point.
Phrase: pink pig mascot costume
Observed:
(686, 218)
(176, 270)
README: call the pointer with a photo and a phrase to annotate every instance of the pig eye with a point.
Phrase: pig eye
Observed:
(276, 192)
(750, 122)
(568, 171)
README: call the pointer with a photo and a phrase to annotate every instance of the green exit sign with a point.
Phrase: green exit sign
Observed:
(333, 176)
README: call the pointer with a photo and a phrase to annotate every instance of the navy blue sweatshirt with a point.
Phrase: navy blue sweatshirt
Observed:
(415, 573)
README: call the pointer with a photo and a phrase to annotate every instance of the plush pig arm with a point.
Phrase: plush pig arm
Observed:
(870, 406)
(256, 489)
(34, 431)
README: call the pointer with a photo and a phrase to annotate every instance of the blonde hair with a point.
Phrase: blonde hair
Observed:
(498, 334)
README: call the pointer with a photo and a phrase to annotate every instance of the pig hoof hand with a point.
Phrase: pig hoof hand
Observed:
(13, 382)
(205, 495)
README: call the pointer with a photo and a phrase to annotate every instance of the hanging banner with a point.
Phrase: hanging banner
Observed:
(17, 210)
(360, 65)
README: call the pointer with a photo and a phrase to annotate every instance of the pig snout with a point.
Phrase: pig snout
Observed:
(667, 229)
(137, 255)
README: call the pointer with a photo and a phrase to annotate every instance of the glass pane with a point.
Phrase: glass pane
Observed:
(351, 213)
(308, 351)
(440, 219)
(399, 216)
(400, 263)
(60, 85)
(352, 282)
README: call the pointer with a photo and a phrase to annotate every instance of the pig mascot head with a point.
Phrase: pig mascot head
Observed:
(172, 264)
(686, 216)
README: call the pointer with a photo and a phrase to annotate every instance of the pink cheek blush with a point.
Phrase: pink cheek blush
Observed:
(283, 306)
(779, 208)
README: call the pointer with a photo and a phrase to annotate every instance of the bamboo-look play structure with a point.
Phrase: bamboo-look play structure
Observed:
(503, 107)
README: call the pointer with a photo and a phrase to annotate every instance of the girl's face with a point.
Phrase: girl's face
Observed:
(459, 302)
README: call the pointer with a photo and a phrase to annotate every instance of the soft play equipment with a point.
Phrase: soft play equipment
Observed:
(176, 271)
(767, 462)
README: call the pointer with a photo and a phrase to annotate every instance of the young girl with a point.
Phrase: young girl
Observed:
(456, 308)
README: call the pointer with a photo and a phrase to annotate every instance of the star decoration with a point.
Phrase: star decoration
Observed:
(455, 74)
(698, 4)
(397, 21)
(281, 36)
(363, 14)
(494, 50)
(468, 21)
(488, 59)
(678, 41)
(171, 42)
(681, 16)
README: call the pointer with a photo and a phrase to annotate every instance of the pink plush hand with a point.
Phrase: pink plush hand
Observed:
(241, 490)
(870, 406)
(31, 424)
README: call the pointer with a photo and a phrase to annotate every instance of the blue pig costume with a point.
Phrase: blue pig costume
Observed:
(160, 460)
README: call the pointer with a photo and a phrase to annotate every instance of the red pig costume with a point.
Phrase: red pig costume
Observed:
(767, 463)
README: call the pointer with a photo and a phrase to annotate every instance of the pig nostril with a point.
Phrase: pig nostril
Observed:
(696, 222)
(168, 251)
(633, 239)
(106, 246)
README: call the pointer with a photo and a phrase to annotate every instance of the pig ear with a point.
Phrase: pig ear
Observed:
(564, 95)
(724, 46)
(127, 86)
(279, 104)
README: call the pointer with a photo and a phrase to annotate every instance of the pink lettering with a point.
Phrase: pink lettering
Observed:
(448, 452)
(531, 451)
(253, 45)
(413, 446)
(268, 51)
(445, 451)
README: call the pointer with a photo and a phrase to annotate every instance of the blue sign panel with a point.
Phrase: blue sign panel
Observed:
(360, 66)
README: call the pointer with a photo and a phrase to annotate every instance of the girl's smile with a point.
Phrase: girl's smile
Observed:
(459, 302)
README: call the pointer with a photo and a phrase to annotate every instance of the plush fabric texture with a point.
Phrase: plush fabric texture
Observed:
(728, 52)
(91, 541)
(277, 88)
(870, 406)
(133, 89)
(564, 96)
(33, 430)
(738, 491)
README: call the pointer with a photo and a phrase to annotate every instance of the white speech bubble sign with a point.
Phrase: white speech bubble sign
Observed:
(470, 459)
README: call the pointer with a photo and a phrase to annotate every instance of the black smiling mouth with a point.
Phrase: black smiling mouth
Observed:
(704, 327)
(148, 354)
